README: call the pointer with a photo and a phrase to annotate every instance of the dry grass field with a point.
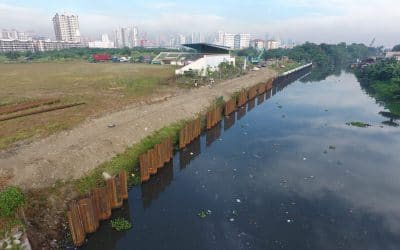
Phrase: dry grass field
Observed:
(104, 87)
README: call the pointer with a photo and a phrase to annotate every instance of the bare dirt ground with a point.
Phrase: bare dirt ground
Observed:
(74, 153)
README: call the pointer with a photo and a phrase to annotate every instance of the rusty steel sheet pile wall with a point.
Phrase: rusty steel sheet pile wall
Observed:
(155, 159)
(230, 106)
(262, 87)
(270, 84)
(84, 215)
(213, 117)
(252, 92)
(189, 133)
(242, 98)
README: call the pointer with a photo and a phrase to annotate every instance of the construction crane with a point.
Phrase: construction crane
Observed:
(372, 42)
(258, 58)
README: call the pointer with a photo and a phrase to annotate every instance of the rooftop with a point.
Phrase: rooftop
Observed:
(206, 48)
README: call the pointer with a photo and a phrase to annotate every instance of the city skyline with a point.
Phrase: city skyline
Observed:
(330, 21)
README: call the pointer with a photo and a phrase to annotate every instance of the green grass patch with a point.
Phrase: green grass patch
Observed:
(11, 199)
(358, 124)
(121, 224)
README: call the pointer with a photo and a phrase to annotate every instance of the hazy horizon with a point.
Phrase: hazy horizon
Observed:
(329, 21)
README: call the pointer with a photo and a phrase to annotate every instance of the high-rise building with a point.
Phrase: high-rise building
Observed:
(258, 44)
(66, 27)
(272, 44)
(236, 41)
(181, 39)
(104, 43)
(126, 37)
(229, 40)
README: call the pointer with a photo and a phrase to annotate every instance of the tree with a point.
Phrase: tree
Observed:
(396, 48)
(12, 55)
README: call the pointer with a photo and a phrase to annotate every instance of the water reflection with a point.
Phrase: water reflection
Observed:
(251, 104)
(157, 184)
(229, 121)
(189, 153)
(260, 99)
(241, 112)
(213, 134)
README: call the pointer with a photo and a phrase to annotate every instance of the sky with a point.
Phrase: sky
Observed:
(329, 21)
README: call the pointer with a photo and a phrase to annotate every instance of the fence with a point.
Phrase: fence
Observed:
(84, 215)
(190, 132)
(213, 117)
(230, 106)
(155, 158)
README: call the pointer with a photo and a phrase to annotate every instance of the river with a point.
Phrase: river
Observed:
(286, 172)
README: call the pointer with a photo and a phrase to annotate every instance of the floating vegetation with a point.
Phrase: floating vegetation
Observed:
(204, 214)
(121, 224)
(358, 124)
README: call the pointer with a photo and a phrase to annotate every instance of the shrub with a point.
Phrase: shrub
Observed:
(11, 198)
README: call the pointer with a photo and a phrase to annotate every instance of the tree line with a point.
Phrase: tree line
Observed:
(320, 54)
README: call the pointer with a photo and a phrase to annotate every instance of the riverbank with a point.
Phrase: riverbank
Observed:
(382, 81)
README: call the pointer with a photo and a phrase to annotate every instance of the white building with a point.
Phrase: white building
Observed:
(12, 45)
(258, 44)
(15, 35)
(209, 58)
(126, 37)
(104, 43)
(272, 44)
(229, 40)
(47, 45)
(393, 54)
(181, 39)
(66, 27)
(236, 41)
(242, 41)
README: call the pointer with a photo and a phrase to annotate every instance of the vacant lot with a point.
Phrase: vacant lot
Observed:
(103, 87)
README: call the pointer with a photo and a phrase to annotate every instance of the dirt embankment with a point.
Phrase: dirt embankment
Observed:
(74, 153)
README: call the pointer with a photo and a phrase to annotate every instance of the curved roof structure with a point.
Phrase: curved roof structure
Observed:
(206, 48)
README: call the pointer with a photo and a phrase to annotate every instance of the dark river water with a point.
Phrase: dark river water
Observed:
(286, 172)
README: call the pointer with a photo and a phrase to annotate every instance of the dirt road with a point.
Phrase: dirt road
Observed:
(73, 153)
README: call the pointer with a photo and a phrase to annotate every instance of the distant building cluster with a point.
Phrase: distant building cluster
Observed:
(126, 37)
(67, 35)
(233, 41)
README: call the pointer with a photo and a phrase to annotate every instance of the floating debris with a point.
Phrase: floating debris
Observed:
(358, 124)
(257, 156)
(112, 125)
(325, 152)
(333, 147)
(280, 106)
(289, 221)
(238, 201)
(232, 219)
